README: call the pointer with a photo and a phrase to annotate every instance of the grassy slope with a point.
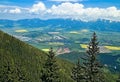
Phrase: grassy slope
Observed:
(28, 59)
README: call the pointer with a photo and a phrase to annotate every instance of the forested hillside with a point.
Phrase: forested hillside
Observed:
(20, 62)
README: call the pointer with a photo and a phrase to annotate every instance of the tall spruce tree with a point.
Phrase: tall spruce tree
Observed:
(50, 71)
(78, 72)
(91, 65)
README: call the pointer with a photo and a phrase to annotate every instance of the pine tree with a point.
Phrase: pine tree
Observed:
(11, 73)
(118, 80)
(78, 72)
(91, 65)
(7, 71)
(21, 75)
(50, 71)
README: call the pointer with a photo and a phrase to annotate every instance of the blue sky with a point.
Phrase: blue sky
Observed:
(48, 9)
(28, 3)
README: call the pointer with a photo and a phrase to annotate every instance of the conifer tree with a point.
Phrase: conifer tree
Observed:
(11, 73)
(91, 65)
(7, 73)
(21, 75)
(78, 72)
(118, 80)
(50, 71)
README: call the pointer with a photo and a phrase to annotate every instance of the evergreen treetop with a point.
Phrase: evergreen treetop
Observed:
(50, 72)
(78, 72)
(91, 65)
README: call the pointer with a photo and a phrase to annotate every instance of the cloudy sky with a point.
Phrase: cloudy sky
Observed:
(85, 10)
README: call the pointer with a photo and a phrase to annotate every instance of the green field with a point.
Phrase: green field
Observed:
(74, 40)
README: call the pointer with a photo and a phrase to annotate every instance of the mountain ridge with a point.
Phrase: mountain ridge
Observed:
(100, 25)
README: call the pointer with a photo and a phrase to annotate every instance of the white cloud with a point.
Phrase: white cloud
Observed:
(79, 12)
(15, 11)
(70, 10)
(38, 8)
(5, 11)
(67, 9)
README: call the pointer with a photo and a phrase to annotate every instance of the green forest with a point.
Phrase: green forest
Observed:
(20, 62)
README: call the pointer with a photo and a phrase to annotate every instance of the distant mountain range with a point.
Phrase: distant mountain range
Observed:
(99, 25)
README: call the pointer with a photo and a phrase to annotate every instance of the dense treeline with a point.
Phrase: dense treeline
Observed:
(20, 62)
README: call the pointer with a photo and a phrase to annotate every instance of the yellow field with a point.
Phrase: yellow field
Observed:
(79, 32)
(83, 45)
(77, 41)
(22, 30)
(112, 47)
(74, 32)
(84, 30)
(56, 43)
(108, 47)
(46, 50)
